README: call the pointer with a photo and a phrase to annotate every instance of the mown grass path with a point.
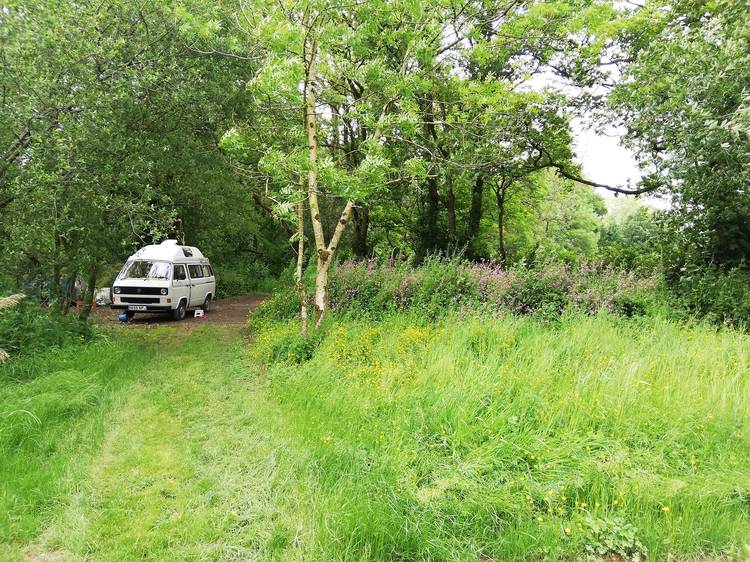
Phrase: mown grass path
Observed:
(183, 470)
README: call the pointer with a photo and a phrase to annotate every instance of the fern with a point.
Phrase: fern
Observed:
(5, 303)
(11, 301)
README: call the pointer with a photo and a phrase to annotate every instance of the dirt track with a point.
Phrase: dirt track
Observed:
(229, 312)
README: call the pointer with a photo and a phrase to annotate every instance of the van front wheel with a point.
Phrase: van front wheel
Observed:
(207, 303)
(179, 312)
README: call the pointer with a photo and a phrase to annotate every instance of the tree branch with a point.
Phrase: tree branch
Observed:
(341, 226)
(564, 173)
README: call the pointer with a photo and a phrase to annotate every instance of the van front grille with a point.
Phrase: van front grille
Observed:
(140, 290)
(140, 300)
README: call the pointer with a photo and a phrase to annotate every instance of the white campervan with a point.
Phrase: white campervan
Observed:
(166, 277)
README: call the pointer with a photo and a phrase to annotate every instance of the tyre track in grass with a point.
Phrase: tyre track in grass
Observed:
(186, 471)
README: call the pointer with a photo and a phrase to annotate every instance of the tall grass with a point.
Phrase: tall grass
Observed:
(516, 440)
(54, 406)
(27, 328)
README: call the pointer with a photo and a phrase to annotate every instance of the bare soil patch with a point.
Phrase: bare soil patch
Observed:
(232, 311)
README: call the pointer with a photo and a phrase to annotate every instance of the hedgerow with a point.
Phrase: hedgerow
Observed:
(441, 285)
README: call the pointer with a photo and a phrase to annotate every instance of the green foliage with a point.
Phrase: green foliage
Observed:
(441, 286)
(255, 277)
(567, 224)
(515, 440)
(633, 243)
(283, 305)
(612, 535)
(108, 133)
(720, 297)
(28, 328)
(683, 101)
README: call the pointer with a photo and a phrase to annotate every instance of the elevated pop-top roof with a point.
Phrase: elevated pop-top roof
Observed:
(169, 250)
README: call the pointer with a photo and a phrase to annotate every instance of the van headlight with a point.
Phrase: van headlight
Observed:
(117, 290)
(164, 291)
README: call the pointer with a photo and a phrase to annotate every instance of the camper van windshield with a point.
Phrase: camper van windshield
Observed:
(142, 269)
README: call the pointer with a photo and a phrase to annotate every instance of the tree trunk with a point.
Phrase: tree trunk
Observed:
(450, 204)
(55, 290)
(361, 224)
(69, 295)
(321, 292)
(324, 252)
(475, 211)
(298, 273)
(500, 195)
(88, 296)
(311, 128)
(433, 208)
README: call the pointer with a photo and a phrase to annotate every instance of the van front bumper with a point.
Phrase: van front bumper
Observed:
(149, 307)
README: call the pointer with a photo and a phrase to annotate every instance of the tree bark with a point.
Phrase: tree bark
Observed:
(298, 273)
(433, 208)
(55, 290)
(475, 211)
(450, 205)
(500, 196)
(361, 224)
(88, 296)
(69, 293)
(324, 252)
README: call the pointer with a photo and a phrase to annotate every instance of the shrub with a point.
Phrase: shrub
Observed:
(282, 342)
(720, 297)
(442, 285)
(28, 327)
(248, 278)
(283, 305)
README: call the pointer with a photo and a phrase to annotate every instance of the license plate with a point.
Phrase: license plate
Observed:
(136, 307)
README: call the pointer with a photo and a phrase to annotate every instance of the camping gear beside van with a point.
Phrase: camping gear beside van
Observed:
(166, 277)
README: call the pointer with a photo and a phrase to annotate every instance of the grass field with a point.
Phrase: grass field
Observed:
(471, 439)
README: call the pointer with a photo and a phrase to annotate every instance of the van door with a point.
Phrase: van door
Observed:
(180, 285)
(211, 280)
(197, 285)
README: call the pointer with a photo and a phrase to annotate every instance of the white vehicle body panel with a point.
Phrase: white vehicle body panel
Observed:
(164, 276)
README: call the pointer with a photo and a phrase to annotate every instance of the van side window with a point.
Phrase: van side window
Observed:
(179, 273)
(208, 270)
(196, 271)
